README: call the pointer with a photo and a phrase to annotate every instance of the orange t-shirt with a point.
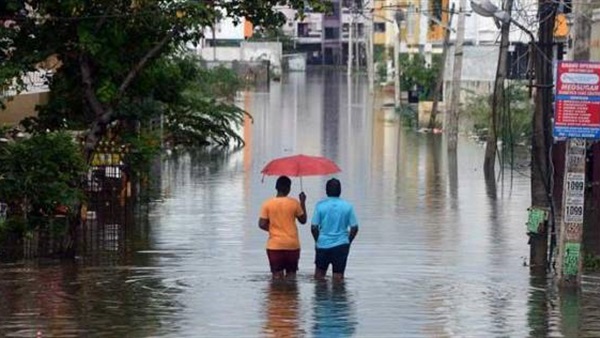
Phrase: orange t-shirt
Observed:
(281, 213)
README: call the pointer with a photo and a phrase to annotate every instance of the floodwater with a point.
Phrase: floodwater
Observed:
(439, 252)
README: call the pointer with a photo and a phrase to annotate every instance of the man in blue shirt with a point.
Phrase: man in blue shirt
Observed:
(334, 227)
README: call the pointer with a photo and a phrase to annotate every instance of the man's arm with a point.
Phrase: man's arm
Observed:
(263, 223)
(302, 218)
(314, 229)
(353, 232)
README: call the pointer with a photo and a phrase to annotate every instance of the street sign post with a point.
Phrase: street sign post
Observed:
(577, 111)
(576, 118)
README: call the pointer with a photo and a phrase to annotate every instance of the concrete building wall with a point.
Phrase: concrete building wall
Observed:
(595, 36)
(22, 106)
(220, 53)
(478, 72)
(259, 51)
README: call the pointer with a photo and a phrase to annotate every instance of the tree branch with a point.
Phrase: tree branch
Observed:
(138, 67)
(88, 90)
(104, 115)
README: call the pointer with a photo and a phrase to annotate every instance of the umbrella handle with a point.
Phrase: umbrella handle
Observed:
(301, 189)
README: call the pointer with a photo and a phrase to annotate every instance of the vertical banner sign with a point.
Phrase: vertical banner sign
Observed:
(577, 110)
(571, 230)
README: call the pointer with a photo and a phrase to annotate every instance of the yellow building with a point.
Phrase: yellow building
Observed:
(419, 15)
(18, 106)
(438, 14)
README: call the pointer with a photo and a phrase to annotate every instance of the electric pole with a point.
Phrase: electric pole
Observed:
(491, 148)
(397, 69)
(541, 136)
(370, 54)
(439, 82)
(350, 46)
(452, 115)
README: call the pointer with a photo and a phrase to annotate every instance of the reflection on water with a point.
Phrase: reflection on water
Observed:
(282, 309)
(333, 310)
(440, 252)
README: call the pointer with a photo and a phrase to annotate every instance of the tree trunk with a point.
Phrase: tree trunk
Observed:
(489, 163)
(452, 115)
(104, 113)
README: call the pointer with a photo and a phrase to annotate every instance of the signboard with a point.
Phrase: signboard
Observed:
(574, 193)
(577, 111)
(571, 259)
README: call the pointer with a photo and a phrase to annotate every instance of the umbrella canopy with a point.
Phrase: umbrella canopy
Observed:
(301, 165)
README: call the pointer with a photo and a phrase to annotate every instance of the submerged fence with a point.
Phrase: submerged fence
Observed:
(107, 210)
(109, 204)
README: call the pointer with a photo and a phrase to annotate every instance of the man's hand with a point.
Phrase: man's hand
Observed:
(314, 230)
(303, 217)
(263, 223)
(353, 232)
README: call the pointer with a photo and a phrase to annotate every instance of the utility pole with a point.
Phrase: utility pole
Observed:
(214, 40)
(370, 54)
(350, 46)
(399, 17)
(439, 82)
(491, 148)
(541, 136)
(397, 69)
(582, 28)
(451, 124)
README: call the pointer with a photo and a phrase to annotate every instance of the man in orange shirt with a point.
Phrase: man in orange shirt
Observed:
(278, 217)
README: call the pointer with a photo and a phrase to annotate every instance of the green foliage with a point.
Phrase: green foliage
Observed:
(274, 34)
(416, 73)
(203, 122)
(591, 263)
(219, 82)
(203, 113)
(115, 55)
(408, 116)
(39, 174)
(144, 147)
(379, 53)
(514, 114)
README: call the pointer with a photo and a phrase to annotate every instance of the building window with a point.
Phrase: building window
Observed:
(303, 29)
(435, 9)
(331, 33)
(379, 27)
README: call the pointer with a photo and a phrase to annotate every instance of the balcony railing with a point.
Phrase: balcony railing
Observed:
(34, 82)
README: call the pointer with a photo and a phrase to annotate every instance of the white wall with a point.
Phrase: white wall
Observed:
(480, 29)
(226, 29)
(258, 51)
(222, 53)
(478, 72)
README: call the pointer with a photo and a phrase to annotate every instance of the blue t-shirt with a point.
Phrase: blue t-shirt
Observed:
(333, 216)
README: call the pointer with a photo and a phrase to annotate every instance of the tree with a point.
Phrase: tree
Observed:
(110, 50)
(417, 73)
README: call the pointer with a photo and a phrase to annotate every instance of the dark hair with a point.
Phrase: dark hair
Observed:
(283, 185)
(333, 188)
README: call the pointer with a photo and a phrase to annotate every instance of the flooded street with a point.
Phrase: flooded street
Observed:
(439, 252)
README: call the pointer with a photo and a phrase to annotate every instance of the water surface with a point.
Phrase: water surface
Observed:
(440, 253)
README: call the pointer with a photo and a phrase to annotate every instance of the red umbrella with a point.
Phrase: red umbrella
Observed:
(300, 165)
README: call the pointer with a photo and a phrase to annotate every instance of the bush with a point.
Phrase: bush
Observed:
(515, 114)
(38, 176)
